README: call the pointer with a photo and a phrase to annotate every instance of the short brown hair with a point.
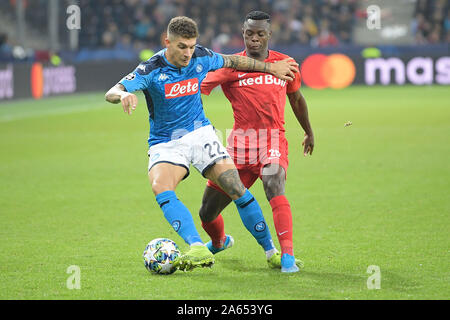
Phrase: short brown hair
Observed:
(183, 27)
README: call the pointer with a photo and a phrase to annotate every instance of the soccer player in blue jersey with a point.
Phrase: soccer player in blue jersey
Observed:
(181, 135)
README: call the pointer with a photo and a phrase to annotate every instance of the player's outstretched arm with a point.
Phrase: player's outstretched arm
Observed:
(118, 94)
(298, 104)
(283, 69)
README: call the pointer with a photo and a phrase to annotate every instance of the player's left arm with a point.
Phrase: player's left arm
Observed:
(300, 108)
(284, 69)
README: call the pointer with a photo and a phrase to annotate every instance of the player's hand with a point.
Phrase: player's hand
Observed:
(308, 144)
(285, 69)
(129, 102)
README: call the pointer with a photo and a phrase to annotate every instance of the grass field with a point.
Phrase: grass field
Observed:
(74, 191)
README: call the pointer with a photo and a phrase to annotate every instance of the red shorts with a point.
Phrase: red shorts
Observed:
(250, 162)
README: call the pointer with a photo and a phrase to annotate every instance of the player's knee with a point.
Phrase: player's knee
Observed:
(159, 187)
(230, 182)
(236, 190)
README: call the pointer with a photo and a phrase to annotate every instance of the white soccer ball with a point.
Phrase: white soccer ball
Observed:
(160, 254)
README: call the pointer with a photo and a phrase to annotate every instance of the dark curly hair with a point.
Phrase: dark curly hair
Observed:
(258, 15)
(183, 27)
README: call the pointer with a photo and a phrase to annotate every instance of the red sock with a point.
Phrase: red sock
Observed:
(216, 231)
(282, 219)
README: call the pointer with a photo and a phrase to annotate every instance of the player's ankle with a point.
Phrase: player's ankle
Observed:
(198, 244)
(288, 250)
(220, 243)
(270, 253)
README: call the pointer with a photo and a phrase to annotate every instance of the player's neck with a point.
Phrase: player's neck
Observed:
(261, 56)
(171, 61)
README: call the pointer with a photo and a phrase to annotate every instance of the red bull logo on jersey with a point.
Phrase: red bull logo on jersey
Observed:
(262, 79)
(181, 89)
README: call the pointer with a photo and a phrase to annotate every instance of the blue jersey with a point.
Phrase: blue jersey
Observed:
(173, 94)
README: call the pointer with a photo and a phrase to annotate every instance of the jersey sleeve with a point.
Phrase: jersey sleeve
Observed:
(212, 60)
(216, 61)
(137, 80)
(213, 79)
(295, 84)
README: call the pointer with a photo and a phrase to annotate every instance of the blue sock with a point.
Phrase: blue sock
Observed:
(178, 216)
(253, 219)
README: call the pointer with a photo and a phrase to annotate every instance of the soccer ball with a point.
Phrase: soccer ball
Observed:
(159, 256)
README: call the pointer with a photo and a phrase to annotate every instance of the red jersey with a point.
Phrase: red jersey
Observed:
(258, 99)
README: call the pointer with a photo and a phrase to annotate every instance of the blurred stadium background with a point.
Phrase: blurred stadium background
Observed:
(412, 36)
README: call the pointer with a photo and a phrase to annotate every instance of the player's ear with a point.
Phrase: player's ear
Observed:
(167, 41)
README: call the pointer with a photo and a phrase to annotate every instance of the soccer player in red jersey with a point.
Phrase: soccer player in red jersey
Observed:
(257, 143)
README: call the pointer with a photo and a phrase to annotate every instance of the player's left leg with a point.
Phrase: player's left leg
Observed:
(224, 174)
(214, 202)
(274, 180)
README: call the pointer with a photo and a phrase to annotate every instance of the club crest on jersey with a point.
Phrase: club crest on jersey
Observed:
(181, 89)
(199, 68)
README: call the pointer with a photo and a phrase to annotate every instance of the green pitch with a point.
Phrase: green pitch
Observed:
(74, 192)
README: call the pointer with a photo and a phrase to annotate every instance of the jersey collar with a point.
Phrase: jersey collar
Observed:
(268, 54)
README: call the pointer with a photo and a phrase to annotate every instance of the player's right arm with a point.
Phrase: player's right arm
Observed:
(284, 69)
(122, 91)
(118, 94)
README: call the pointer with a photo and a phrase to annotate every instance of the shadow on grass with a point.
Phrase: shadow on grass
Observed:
(322, 284)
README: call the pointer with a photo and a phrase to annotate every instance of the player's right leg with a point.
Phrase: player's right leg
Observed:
(164, 177)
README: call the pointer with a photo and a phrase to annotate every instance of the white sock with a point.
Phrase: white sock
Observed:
(271, 252)
(197, 244)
